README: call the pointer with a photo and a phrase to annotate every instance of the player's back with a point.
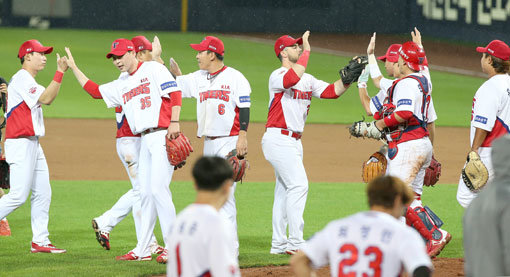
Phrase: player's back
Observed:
(200, 244)
(372, 243)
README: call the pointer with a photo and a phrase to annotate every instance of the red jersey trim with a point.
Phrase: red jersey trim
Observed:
(138, 66)
(499, 129)
(275, 116)
(236, 126)
(93, 89)
(290, 78)
(165, 113)
(329, 92)
(19, 122)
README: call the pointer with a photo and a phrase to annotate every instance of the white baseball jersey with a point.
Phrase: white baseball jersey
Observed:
(143, 95)
(24, 112)
(201, 244)
(491, 108)
(288, 108)
(372, 243)
(219, 98)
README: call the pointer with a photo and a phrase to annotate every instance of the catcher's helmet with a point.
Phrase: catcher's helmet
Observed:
(413, 55)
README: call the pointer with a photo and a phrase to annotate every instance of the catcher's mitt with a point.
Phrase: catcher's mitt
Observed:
(475, 174)
(239, 165)
(365, 129)
(432, 173)
(4, 175)
(351, 72)
(178, 150)
(374, 167)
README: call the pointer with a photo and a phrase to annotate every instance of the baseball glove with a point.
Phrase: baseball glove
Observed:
(351, 72)
(178, 150)
(432, 173)
(475, 174)
(239, 165)
(374, 167)
(4, 175)
(365, 129)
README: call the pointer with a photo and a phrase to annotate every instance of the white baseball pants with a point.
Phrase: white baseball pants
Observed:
(412, 159)
(220, 147)
(128, 149)
(28, 172)
(155, 174)
(285, 154)
(464, 194)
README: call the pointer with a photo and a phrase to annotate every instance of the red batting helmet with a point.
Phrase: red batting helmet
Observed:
(413, 55)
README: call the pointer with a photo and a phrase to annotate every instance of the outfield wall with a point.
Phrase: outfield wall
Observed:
(468, 20)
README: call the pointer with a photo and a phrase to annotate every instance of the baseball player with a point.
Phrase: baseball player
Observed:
(151, 101)
(5, 229)
(128, 149)
(290, 94)
(201, 240)
(223, 107)
(487, 220)
(405, 116)
(28, 166)
(490, 114)
(372, 243)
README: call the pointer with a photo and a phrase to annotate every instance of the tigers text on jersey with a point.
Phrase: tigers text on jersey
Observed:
(201, 244)
(142, 95)
(24, 112)
(219, 98)
(491, 109)
(373, 243)
(288, 108)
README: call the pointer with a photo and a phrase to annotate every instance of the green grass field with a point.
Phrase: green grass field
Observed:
(452, 93)
(74, 204)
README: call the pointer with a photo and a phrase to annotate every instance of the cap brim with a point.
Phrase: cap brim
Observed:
(481, 49)
(47, 50)
(116, 53)
(198, 47)
(299, 41)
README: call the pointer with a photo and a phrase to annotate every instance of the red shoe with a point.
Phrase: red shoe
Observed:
(163, 257)
(434, 247)
(130, 256)
(48, 248)
(156, 249)
(102, 237)
(5, 230)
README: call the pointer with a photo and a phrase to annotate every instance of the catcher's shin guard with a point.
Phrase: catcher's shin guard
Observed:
(415, 221)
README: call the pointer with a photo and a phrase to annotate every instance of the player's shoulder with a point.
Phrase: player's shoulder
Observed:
(497, 82)
(279, 71)
(21, 75)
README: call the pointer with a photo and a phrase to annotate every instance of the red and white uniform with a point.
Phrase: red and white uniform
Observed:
(201, 244)
(28, 166)
(144, 97)
(288, 109)
(490, 112)
(367, 244)
(219, 97)
(128, 150)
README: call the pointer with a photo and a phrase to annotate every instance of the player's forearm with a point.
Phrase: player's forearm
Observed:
(176, 113)
(82, 79)
(431, 127)
(51, 92)
(300, 66)
(480, 135)
(244, 119)
(392, 119)
(365, 100)
(340, 88)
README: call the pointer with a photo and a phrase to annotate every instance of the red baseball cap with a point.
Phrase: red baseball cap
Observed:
(413, 55)
(285, 41)
(391, 54)
(33, 45)
(120, 47)
(141, 43)
(210, 43)
(496, 48)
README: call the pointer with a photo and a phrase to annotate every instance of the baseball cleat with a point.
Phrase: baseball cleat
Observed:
(163, 257)
(434, 247)
(102, 237)
(156, 248)
(277, 252)
(130, 256)
(5, 230)
(291, 251)
(48, 248)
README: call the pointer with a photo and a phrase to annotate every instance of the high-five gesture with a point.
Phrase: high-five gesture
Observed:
(371, 45)
(61, 63)
(306, 44)
(416, 35)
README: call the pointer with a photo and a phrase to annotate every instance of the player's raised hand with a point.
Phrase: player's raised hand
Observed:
(371, 45)
(416, 35)
(306, 44)
(156, 48)
(174, 68)
(3, 88)
(62, 63)
(70, 59)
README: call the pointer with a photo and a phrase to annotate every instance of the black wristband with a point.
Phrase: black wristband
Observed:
(174, 121)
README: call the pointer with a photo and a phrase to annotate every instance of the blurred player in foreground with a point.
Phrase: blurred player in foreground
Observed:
(371, 243)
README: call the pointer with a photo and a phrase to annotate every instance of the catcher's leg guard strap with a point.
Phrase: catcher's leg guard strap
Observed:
(437, 221)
